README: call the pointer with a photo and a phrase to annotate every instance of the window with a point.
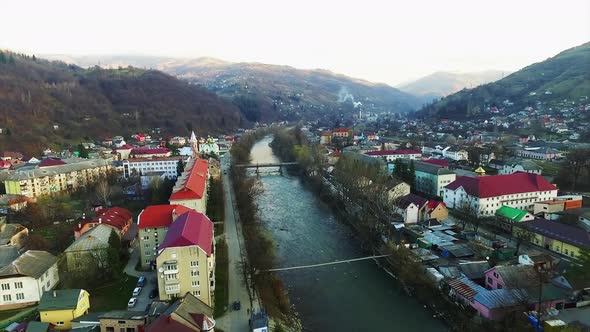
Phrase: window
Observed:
(171, 267)
(197, 293)
(147, 245)
(147, 252)
(194, 263)
(7, 297)
(5, 286)
(172, 276)
(110, 329)
(59, 323)
(20, 296)
(194, 273)
(18, 285)
(565, 251)
(195, 283)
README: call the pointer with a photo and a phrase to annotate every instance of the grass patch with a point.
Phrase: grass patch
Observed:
(6, 314)
(221, 278)
(216, 203)
(113, 296)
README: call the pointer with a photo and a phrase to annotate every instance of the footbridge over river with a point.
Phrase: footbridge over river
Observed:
(266, 165)
(323, 264)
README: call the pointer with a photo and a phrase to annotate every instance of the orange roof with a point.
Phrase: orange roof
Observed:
(195, 184)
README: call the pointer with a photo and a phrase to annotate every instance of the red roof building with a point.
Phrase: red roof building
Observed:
(486, 194)
(118, 218)
(191, 186)
(190, 229)
(150, 152)
(438, 162)
(155, 216)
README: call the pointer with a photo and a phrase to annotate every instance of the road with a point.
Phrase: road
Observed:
(143, 299)
(234, 321)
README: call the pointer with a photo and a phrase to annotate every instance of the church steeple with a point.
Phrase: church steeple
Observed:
(194, 142)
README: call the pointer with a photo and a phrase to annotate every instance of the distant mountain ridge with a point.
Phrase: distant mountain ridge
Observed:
(566, 76)
(442, 83)
(272, 92)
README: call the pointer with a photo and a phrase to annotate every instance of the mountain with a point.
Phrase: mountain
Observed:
(271, 92)
(36, 95)
(443, 83)
(543, 84)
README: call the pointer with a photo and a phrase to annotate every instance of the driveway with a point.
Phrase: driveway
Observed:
(151, 281)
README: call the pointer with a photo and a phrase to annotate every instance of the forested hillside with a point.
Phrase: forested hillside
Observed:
(45, 103)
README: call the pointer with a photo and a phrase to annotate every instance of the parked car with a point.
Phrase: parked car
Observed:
(137, 291)
(141, 282)
(132, 302)
(236, 305)
(153, 293)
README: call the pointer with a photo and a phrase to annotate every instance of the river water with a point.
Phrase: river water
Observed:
(357, 296)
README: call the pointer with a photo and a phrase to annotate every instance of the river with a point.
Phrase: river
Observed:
(356, 296)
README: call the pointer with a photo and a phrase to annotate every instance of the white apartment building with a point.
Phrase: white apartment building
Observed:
(23, 281)
(140, 166)
(486, 194)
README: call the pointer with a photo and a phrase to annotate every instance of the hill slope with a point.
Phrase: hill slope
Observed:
(270, 92)
(564, 76)
(86, 104)
(443, 83)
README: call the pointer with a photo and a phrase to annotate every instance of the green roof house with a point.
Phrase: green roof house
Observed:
(512, 215)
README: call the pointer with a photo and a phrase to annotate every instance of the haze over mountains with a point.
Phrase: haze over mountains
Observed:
(563, 77)
(270, 92)
(442, 83)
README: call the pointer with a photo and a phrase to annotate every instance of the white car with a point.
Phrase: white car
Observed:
(136, 291)
(132, 302)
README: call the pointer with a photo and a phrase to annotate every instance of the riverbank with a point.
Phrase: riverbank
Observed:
(259, 244)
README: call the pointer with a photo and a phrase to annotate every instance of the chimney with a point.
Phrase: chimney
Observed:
(80, 225)
(54, 294)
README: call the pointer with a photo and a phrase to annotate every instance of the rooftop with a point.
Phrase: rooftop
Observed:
(32, 263)
(59, 299)
(392, 152)
(558, 231)
(159, 215)
(511, 213)
(96, 238)
(36, 172)
(193, 181)
(499, 185)
(190, 228)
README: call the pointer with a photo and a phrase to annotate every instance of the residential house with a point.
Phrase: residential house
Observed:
(59, 307)
(12, 234)
(35, 326)
(486, 194)
(191, 187)
(12, 203)
(153, 223)
(411, 208)
(189, 314)
(44, 179)
(455, 153)
(509, 215)
(556, 236)
(139, 166)
(342, 132)
(24, 280)
(186, 260)
(122, 152)
(539, 153)
(392, 155)
(209, 147)
(326, 138)
(397, 189)
(116, 217)
(437, 210)
(123, 320)
(11, 156)
(514, 165)
(431, 178)
(90, 248)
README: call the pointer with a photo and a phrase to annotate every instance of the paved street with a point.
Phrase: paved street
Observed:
(143, 299)
(234, 321)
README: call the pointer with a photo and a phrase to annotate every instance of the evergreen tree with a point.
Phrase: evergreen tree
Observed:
(179, 168)
(11, 59)
(411, 175)
(2, 57)
(82, 152)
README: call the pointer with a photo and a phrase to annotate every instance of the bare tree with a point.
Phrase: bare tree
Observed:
(522, 235)
(103, 191)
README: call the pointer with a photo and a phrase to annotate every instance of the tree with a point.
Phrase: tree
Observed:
(579, 273)
(179, 168)
(36, 242)
(114, 255)
(103, 192)
(82, 151)
(522, 236)
(577, 161)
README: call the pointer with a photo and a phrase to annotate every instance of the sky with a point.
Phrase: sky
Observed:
(382, 41)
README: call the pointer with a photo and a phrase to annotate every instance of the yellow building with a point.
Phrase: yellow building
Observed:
(60, 307)
(54, 176)
(186, 259)
(556, 236)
